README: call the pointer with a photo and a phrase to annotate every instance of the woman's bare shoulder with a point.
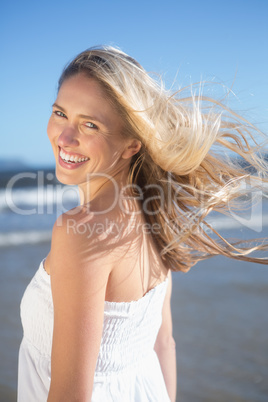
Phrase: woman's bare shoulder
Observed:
(88, 237)
(77, 242)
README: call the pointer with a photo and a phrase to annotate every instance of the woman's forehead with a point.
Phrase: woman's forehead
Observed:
(85, 96)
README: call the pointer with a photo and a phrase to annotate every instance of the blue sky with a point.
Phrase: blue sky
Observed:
(212, 40)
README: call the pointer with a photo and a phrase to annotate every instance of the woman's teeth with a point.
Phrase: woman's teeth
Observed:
(72, 159)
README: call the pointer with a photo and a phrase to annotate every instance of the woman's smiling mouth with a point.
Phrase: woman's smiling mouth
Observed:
(72, 160)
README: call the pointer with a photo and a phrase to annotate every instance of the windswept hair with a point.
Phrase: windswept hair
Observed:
(184, 167)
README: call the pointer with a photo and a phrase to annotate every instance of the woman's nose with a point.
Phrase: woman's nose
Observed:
(68, 137)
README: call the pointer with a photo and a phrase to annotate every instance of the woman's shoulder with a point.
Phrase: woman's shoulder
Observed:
(85, 224)
(87, 234)
(77, 247)
(109, 245)
(72, 223)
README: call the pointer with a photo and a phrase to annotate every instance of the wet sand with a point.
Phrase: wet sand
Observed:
(221, 331)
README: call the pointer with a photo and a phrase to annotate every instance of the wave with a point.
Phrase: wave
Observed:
(19, 238)
(257, 222)
(40, 199)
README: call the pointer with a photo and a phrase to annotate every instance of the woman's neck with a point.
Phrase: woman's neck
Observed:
(101, 184)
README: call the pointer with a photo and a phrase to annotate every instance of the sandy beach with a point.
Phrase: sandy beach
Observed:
(221, 329)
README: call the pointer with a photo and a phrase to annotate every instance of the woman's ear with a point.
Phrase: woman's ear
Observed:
(132, 148)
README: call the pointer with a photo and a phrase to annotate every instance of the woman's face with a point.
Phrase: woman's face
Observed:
(85, 132)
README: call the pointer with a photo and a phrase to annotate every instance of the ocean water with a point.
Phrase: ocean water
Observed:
(219, 308)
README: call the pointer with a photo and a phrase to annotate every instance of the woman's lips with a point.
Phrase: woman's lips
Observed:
(73, 163)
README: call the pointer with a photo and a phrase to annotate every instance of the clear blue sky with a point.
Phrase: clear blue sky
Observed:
(205, 39)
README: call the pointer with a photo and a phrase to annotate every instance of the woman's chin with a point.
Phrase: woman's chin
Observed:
(65, 178)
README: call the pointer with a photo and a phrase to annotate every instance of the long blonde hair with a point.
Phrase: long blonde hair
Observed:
(186, 142)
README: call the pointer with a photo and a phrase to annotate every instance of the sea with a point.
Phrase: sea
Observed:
(219, 308)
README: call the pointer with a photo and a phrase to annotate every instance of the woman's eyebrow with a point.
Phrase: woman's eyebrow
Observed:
(84, 116)
(58, 106)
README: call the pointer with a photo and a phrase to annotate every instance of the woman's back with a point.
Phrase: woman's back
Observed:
(139, 268)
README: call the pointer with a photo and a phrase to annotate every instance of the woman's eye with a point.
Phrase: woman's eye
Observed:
(59, 113)
(91, 125)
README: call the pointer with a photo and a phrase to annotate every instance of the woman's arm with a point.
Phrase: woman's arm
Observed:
(165, 346)
(78, 282)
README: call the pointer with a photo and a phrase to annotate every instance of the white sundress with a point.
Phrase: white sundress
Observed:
(127, 368)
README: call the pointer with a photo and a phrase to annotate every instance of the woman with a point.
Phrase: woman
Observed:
(96, 316)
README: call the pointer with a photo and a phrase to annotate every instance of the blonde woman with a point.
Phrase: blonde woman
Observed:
(149, 167)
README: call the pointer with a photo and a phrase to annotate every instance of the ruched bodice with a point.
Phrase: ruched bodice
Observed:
(127, 367)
